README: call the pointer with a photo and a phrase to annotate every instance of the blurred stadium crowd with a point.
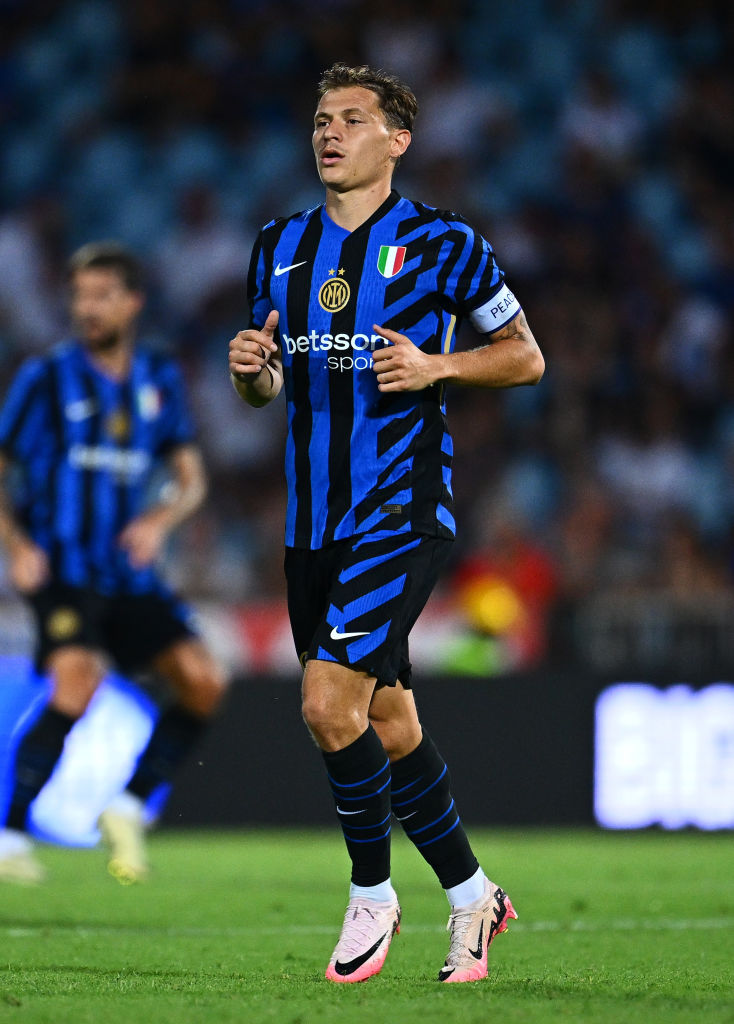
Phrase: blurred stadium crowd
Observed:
(592, 141)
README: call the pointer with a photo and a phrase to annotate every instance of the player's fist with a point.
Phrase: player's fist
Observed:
(250, 350)
(28, 565)
(401, 365)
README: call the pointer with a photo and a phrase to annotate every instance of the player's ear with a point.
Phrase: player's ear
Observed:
(137, 301)
(400, 142)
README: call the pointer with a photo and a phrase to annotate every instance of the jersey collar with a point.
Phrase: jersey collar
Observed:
(392, 200)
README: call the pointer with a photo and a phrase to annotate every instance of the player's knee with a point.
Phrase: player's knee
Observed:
(75, 675)
(399, 738)
(316, 713)
(197, 679)
(330, 730)
(201, 690)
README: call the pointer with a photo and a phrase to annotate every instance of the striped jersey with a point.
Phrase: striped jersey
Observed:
(358, 460)
(87, 447)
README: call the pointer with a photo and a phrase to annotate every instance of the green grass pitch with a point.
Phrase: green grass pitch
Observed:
(239, 927)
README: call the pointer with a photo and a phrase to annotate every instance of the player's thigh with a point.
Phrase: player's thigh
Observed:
(309, 575)
(69, 643)
(139, 627)
(75, 674)
(335, 703)
(381, 587)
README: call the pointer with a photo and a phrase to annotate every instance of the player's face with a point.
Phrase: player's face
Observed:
(102, 308)
(353, 144)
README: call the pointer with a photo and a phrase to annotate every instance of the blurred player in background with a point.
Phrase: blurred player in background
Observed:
(354, 311)
(87, 425)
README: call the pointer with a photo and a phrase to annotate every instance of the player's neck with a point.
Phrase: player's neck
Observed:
(351, 209)
(113, 362)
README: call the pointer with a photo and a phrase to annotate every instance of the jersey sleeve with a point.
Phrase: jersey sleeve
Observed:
(258, 293)
(176, 424)
(477, 284)
(25, 411)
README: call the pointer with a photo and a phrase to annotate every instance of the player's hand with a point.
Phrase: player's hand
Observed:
(28, 565)
(401, 365)
(250, 350)
(143, 539)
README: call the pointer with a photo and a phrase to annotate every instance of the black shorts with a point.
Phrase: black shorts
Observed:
(355, 601)
(131, 628)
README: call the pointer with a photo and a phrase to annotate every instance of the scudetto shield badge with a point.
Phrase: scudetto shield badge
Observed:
(391, 259)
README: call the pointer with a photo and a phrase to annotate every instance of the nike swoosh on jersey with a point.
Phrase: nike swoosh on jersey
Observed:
(284, 270)
(406, 816)
(336, 635)
(80, 410)
(340, 811)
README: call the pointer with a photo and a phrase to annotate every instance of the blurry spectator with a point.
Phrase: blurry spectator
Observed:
(644, 460)
(597, 119)
(204, 253)
(505, 588)
(32, 281)
(685, 568)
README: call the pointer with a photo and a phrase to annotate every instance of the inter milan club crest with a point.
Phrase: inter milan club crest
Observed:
(391, 259)
(334, 292)
(118, 426)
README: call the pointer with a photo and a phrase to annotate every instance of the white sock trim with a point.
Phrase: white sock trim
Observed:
(381, 893)
(467, 892)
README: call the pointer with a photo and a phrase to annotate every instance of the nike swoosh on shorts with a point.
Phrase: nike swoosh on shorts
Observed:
(336, 635)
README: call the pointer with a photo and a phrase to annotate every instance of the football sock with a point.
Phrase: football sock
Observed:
(360, 781)
(467, 892)
(382, 892)
(422, 803)
(35, 760)
(175, 733)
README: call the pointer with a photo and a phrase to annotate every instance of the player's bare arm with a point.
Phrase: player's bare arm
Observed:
(511, 357)
(143, 537)
(251, 352)
(27, 563)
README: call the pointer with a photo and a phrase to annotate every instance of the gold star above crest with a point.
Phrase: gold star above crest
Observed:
(341, 272)
(331, 273)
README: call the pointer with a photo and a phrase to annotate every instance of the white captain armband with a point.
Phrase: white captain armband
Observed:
(494, 314)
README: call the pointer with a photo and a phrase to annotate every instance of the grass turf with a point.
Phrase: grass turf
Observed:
(239, 927)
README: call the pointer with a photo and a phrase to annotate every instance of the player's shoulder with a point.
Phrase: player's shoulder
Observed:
(157, 361)
(431, 213)
(439, 219)
(39, 366)
(277, 225)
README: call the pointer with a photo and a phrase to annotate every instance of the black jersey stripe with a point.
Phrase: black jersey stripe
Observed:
(298, 385)
(341, 398)
(56, 496)
(457, 239)
(91, 430)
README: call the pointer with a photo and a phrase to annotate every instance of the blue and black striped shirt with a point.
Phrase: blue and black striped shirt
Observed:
(358, 460)
(87, 446)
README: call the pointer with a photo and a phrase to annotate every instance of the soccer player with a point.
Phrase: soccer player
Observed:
(87, 425)
(354, 311)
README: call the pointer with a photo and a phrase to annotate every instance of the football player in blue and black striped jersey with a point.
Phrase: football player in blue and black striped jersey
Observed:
(87, 425)
(355, 306)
